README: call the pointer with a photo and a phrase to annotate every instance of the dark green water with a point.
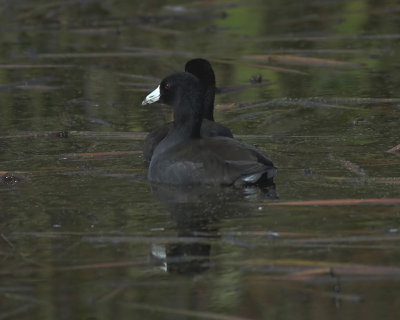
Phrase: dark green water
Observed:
(85, 236)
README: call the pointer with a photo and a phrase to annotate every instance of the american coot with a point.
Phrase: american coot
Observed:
(184, 157)
(202, 69)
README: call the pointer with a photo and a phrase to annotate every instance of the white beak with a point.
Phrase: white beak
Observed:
(152, 97)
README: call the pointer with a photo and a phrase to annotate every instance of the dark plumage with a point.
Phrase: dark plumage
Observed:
(185, 157)
(202, 69)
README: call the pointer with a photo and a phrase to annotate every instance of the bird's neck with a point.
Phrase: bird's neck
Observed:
(188, 115)
(209, 97)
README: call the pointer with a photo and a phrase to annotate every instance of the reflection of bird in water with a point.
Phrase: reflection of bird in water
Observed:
(183, 258)
(195, 210)
(191, 210)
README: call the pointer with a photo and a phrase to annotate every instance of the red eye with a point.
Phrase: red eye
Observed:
(167, 86)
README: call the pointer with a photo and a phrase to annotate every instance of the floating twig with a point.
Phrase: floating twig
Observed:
(350, 166)
(301, 61)
(259, 66)
(35, 66)
(394, 150)
(81, 134)
(21, 84)
(99, 154)
(182, 312)
(7, 241)
(338, 202)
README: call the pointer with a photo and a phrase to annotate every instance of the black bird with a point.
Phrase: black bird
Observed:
(184, 157)
(202, 69)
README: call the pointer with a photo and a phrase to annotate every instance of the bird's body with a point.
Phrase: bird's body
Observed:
(184, 157)
(212, 161)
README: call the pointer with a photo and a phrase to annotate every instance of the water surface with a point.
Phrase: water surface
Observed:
(84, 235)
